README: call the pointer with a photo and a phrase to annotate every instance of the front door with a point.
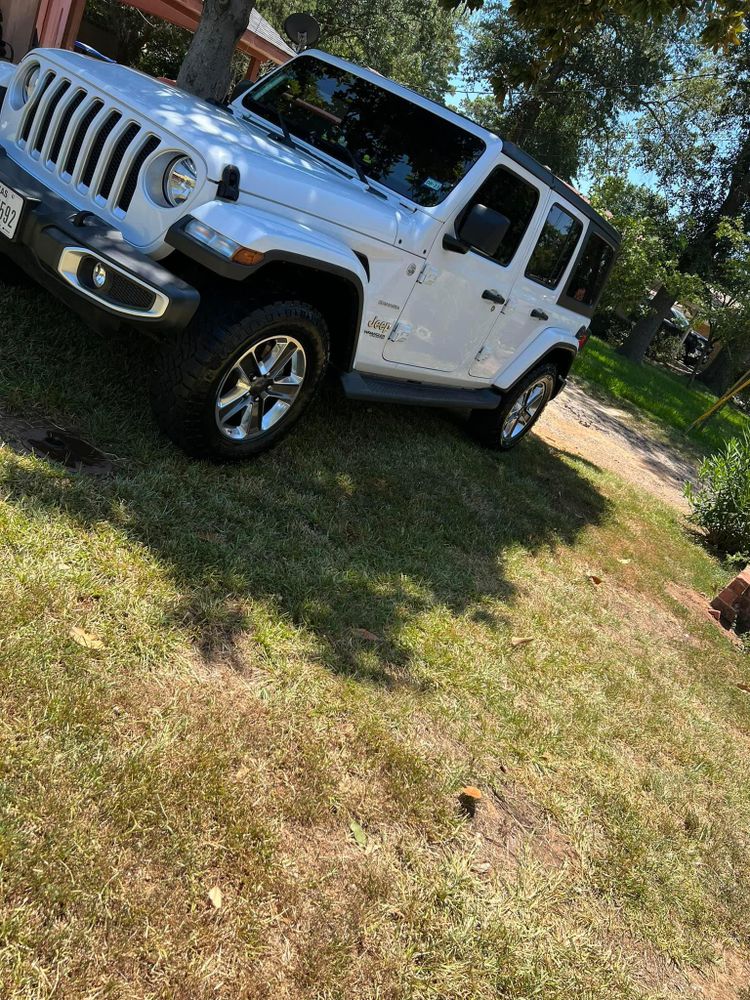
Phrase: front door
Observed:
(457, 303)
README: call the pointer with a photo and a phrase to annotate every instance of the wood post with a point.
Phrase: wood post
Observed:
(19, 22)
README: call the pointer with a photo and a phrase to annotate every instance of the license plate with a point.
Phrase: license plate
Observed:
(11, 206)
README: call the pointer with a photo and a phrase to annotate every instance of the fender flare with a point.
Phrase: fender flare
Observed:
(280, 240)
(548, 342)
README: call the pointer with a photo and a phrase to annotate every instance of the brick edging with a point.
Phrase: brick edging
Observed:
(732, 606)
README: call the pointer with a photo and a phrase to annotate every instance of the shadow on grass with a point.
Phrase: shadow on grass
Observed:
(365, 518)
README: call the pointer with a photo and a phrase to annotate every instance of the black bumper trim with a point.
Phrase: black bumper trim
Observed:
(47, 228)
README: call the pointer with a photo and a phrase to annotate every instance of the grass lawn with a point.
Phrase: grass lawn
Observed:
(664, 395)
(238, 720)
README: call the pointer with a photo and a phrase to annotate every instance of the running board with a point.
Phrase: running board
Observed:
(388, 390)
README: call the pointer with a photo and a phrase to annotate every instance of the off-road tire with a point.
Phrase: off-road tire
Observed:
(487, 425)
(193, 364)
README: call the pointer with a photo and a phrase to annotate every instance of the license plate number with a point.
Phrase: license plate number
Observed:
(11, 206)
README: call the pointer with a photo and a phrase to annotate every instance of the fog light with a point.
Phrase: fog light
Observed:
(99, 275)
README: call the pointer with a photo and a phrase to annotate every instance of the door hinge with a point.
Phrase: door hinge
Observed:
(427, 275)
(482, 352)
(400, 331)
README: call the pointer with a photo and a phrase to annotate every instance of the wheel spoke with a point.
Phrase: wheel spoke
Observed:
(534, 395)
(230, 397)
(251, 418)
(234, 407)
(283, 358)
(286, 390)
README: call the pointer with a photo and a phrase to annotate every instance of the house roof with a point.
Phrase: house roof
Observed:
(260, 27)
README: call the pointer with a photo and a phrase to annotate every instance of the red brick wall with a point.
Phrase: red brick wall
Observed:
(733, 603)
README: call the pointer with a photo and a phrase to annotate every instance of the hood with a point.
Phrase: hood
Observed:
(268, 169)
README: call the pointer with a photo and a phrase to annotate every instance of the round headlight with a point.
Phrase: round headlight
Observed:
(30, 83)
(180, 180)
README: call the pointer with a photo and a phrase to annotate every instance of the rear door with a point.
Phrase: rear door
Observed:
(456, 305)
(532, 305)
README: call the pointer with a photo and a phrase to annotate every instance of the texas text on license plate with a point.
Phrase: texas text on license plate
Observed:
(11, 206)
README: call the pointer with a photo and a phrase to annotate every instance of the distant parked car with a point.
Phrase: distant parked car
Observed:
(696, 348)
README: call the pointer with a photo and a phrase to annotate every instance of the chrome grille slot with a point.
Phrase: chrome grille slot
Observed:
(149, 146)
(33, 107)
(45, 118)
(97, 148)
(75, 149)
(62, 129)
(115, 160)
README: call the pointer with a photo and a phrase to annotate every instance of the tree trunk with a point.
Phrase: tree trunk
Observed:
(718, 375)
(640, 337)
(206, 70)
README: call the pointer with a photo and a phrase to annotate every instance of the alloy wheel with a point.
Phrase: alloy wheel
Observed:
(525, 408)
(260, 388)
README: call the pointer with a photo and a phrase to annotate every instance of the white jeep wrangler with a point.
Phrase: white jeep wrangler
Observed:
(326, 214)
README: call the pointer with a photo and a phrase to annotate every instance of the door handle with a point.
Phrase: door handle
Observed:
(493, 296)
(539, 314)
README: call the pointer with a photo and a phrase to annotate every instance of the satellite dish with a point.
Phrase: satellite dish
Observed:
(303, 30)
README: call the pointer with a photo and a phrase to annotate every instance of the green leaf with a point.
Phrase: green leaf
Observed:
(359, 834)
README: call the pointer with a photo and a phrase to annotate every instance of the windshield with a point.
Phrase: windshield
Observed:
(407, 148)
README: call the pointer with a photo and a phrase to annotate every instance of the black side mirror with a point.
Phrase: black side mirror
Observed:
(484, 229)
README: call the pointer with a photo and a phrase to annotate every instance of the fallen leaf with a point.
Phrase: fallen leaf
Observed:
(85, 639)
(521, 640)
(744, 687)
(481, 867)
(241, 773)
(216, 896)
(358, 833)
(625, 562)
(363, 633)
(210, 536)
(469, 798)
(596, 580)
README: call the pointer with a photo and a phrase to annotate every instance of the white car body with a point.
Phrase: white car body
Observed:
(422, 316)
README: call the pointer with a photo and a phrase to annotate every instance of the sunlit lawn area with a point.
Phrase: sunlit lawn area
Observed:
(667, 396)
(238, 719)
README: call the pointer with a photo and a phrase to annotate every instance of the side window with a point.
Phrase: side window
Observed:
(554, 248)
(591, 271)
(506, 192)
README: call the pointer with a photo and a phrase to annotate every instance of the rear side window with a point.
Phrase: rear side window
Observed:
(506, 192)
(554, 248)
(591, 271)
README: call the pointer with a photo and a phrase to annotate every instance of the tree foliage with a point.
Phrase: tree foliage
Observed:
(563, 24)
(146, 43)
(559, 107)
(650, 250)
(413, 41)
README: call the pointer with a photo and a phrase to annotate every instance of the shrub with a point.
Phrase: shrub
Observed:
(721, 502)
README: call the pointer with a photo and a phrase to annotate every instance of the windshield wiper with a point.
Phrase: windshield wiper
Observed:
(260, 110)
(336, 148)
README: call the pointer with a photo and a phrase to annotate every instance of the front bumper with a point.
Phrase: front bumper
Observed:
(59, 247)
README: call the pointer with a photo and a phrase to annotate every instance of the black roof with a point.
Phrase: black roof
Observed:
(544, 174)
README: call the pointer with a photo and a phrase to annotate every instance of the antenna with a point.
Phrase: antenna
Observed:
(303, 30)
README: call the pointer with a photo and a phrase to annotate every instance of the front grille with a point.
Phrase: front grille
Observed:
(85, 141)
